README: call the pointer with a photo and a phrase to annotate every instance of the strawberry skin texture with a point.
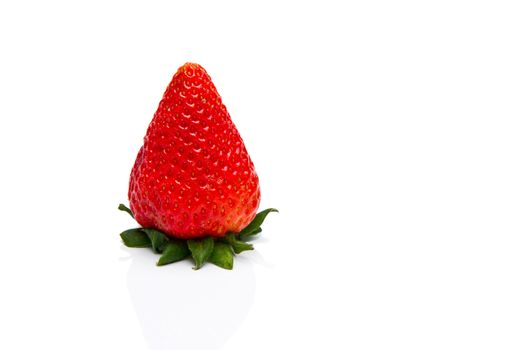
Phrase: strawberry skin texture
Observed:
(193, 176)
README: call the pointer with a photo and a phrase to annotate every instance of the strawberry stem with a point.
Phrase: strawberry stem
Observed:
(126, 209)
(219, 251)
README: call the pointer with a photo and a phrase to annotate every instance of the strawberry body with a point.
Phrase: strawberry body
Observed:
(193, 176)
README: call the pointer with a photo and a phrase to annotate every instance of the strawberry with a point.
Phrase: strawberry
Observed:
(193, 177)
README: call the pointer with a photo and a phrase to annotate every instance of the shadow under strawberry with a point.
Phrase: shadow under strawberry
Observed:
(219, 251)
(179, 309)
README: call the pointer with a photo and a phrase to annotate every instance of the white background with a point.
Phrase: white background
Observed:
(390, 134)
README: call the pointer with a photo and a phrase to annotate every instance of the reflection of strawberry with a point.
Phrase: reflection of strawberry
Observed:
(193, 176)
(167, 318)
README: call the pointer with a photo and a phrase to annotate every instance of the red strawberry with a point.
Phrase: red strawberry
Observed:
(193, 176)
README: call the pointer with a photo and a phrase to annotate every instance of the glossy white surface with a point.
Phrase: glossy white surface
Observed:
(389, 134)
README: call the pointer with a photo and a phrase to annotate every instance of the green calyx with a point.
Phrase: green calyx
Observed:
(218, 251)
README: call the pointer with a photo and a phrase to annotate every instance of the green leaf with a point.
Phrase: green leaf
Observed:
(158, 239)
(135, 238)
(222, 256)
(175, 250)
(201, 250)
(253, 227)
(126, 209)
(237, 245)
